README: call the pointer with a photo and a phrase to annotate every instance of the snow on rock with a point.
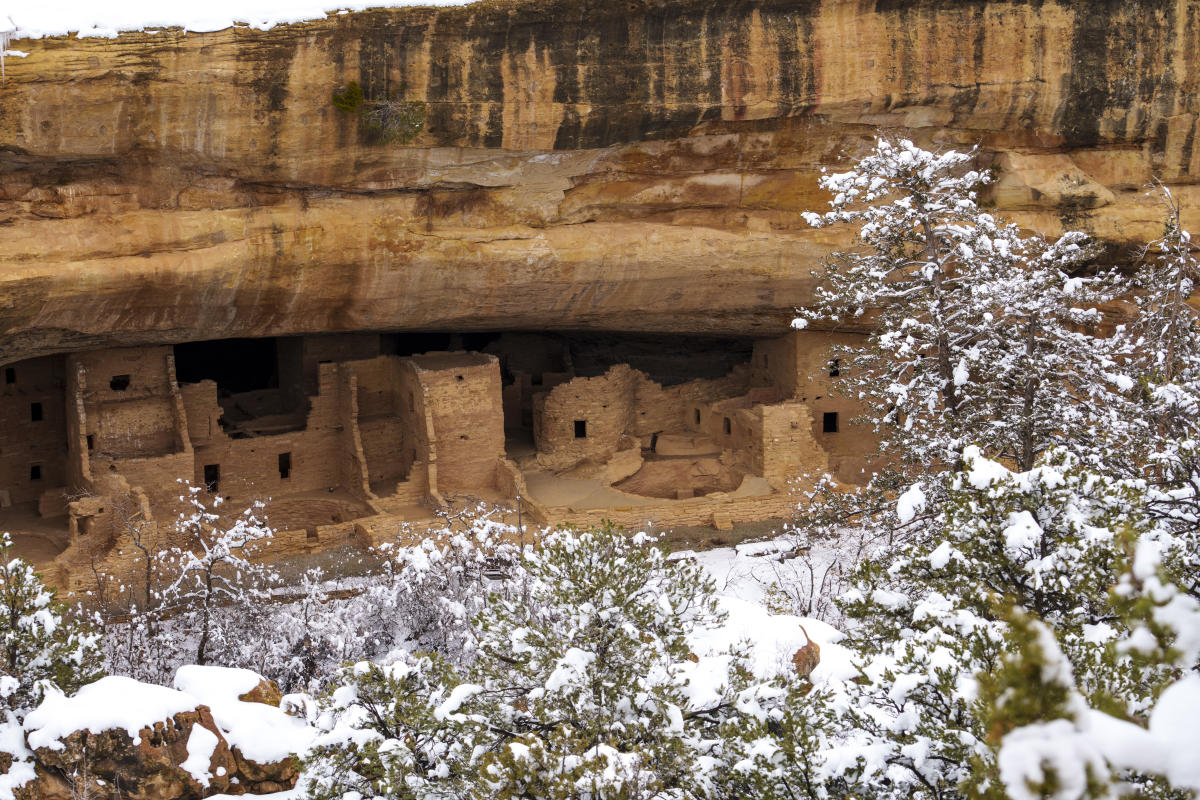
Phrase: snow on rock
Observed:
(21, 770)
(261, 733)
(201, 745)
(112, 703)
(89, 18)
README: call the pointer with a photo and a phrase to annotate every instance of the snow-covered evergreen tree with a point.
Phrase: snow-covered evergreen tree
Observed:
(393, 732)
(43, 646)
(1162, 345)
(977, 330)
(582, 686)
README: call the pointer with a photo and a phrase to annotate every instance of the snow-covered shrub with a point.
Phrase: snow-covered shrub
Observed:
(438, 585)
(217, 591)
(582, 685)
(392, 732)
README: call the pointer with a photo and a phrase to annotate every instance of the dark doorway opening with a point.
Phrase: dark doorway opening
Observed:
(212, 478)
(285, 466)
(581, 429)
(829, 422)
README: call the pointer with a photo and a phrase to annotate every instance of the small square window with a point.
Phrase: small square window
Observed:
(835, 368)
(458, 377)
(728, 426)
(10, 375)
(35, 412)
(829, 422)
(119, 383)
(35, 472)
(581, 429)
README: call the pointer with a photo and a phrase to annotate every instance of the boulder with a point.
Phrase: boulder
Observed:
(265, 691)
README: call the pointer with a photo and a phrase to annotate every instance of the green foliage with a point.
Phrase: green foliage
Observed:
(41, 644)
(586, 672)
(579, 690)
(395, 737)
(1032, 686)
(382, 121)
(348, 98)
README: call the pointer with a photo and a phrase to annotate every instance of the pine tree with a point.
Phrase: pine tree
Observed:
(976, 329)
(43, 646)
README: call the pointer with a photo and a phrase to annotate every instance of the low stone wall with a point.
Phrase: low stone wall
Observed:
(715, 511)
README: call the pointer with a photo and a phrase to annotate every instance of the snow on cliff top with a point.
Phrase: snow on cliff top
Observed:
(33, 20)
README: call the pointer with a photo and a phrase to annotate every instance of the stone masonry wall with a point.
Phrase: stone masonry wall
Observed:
(462, 393)
(36, 389)
(605, 407)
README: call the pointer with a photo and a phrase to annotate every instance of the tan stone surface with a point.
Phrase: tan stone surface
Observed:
(635, 167)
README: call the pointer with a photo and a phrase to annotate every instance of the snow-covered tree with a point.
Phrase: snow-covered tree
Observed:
(585, 678)
(217, 590)
(977, 332)
(43, 646)
(934, 617)
(1162, 345)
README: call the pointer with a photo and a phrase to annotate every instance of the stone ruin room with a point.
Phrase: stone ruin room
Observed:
(351, 438)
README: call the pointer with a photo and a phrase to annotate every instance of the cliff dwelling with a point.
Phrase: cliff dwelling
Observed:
(349, 437)
(568, 293)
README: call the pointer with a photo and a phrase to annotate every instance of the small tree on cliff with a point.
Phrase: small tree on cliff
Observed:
(977, 331)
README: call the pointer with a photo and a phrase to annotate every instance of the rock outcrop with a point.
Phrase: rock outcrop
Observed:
(121, 739)
(581, 165)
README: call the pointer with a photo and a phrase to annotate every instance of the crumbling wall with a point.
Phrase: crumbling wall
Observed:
(321, 349)
(671, 409)
(130, 401)
(463, 398)
(585, 419)
(250, 468)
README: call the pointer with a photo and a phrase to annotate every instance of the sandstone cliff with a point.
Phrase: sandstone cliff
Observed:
(582, 164)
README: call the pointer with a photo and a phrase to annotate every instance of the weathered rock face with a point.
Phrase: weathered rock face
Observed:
(111, 764)
(634, 166)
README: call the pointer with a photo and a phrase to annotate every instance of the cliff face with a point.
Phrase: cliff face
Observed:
(631, 166)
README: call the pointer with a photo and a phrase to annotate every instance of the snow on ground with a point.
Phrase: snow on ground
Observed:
(743, 575)
(92, 18)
